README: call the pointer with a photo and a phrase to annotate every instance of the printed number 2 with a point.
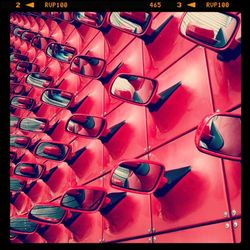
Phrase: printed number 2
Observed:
(17, 4)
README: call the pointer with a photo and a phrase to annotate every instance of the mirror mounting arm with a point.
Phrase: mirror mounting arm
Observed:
(151, 34)
(71, 159)
(173, 177)
(107, 78)
(161, 98)
(109, 133)
(105, 29)
(73, 108)
(114, 198)
(231, 53)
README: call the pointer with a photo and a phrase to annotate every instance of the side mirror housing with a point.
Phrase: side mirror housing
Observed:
(17, 89)
(39, 80)
(133, 89)
(27, 67)
(22, 102)
(88, 66)
(19, 141)
(83, 199)
(60, 52)
(57, 97)
(46, 214)
(21, 225)
(220, 135)
(137, 176)
(213, 30)
(86, 125)
(92, 19)
(135, 23)
(29, 170)
(33, 124)
(16, 185)
(52, 150)
(41, 43)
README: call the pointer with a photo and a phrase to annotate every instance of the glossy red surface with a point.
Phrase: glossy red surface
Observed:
(199, 207)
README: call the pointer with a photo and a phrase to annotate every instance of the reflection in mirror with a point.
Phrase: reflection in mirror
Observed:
(14, 121)
(222, 134)
(12, 236)
(61, 52)
(28, 36)
(87, 66)
(27, 67)
(133, 88)
(12, 156)
(13, 78)
(17, 89)
(83, 199)
(212, 28)
(41, 42)
(53, 151)
(29, 170)
(15, 58)
(33, 124)
(18, 31)
(65, 16)
(85, 125)
(19, 141)
(94, 19)
(49, 214)
(22, 102)
(56, 97)
(39, 80)
(22, 225)
(16, 185)
(141, 176)
(132, 22)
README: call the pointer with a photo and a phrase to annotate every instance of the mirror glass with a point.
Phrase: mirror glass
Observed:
(17, 89)
(14, 121)
(28, 36)
(39, 80)
(65, 16)
(13, 78)
(12, 236)
(41, 43)
(87, 66)
(211, 28)
(53, 151)
(16, 185)
(83, 199)
(33, 124)
(85, 125)
(133, 88)
(222, 134)
(29, 170)
(22, 225)
(27, 67)
(12, 156)
(57, 97)
(15, 58)
(61, 52)
(94, 19)
(132, 22)
(137, 175)
(49, 214)
(19, 141)
(18, 31)
(22, 102)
